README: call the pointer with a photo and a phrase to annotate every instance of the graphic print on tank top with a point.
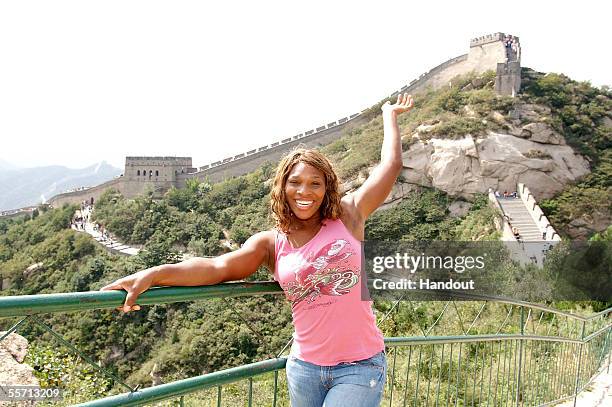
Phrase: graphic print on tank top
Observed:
(326, 272)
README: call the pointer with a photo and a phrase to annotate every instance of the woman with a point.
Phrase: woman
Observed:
(337, 357)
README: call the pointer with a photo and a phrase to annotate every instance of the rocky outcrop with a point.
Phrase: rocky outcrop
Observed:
(32, 269)
(583, 227)
(541, 133)
(527, 112)
(459, 208)
(528, 151)
(13, 350)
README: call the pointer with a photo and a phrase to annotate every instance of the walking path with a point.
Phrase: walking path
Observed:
(104, 239)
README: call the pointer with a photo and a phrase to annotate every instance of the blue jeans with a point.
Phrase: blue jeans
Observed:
(355, 384)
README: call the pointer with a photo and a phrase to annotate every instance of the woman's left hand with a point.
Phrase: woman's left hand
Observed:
(404, 103)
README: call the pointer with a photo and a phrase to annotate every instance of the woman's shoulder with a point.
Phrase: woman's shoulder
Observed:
(351, 217)
(261, 241)
(265, 241)
(267, 236)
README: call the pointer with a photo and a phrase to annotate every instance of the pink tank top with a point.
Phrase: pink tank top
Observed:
(322, 281)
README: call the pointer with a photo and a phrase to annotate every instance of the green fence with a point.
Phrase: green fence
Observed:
(532, 356)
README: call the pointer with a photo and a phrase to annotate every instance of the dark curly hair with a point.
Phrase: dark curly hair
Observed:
(330, 208)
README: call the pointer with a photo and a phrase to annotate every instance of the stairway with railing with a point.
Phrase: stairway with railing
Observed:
(531, 355)
(519, 217)
(524, 213)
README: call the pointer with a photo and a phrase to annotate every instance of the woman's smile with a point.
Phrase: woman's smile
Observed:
(304, 204)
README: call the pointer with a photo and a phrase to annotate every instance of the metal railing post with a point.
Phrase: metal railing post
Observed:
(609, 350)
(579, 363)
(521, 340)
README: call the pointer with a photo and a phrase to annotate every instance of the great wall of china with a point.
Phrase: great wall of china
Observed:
(161, 173)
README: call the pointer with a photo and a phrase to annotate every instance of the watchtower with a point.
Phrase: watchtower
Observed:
(156, 173)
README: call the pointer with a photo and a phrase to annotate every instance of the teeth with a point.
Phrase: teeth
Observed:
(304, 203)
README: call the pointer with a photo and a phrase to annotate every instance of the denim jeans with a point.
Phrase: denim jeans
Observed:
(354, 384)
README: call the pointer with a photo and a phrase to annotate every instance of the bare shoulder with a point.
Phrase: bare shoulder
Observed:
(260, 238)
(351, 217)
(263, 242)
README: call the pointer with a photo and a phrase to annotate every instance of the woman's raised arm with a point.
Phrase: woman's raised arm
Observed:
(198, 271)
(377, 187)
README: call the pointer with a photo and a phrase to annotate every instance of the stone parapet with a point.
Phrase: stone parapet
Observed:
(536, 213)
(486, 39)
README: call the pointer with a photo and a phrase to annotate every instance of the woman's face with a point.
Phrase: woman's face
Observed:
(305, 190)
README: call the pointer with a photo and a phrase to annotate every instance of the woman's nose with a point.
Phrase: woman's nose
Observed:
(302, 189)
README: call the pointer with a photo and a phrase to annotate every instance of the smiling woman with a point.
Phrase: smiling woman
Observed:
(305, 191)
(314, 252)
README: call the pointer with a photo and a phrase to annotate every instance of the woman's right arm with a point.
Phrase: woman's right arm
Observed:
(235, 265)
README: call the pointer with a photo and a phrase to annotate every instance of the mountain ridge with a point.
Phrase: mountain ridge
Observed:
(30, 186)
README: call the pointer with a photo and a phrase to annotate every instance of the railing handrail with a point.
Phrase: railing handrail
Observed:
(22, 305)
(431, 340)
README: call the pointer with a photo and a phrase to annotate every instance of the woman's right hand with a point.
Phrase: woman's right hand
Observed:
(135, 284)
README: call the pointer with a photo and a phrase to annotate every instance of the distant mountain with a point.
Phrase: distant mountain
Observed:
(31, 186)
(5, 165)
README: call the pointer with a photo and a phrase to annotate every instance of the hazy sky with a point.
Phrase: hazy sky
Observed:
(84, 81)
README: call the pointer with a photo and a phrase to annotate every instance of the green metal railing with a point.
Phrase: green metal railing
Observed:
(534, 356)
(74, 302)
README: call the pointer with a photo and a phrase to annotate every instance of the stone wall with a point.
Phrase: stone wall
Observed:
(508, 78)
(162, 173)
(252, 160)
(537, 214)
(77, 197)
(15, 213)
(486, 39)
(485, 54)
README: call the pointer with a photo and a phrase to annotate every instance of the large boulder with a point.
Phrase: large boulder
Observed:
(459, 208)
(13, 371)
(454, 167)
(541, 133)
(527, 112)
(466, 166)
(545, 168)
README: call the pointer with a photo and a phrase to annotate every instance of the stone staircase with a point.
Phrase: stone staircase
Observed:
(520, 218)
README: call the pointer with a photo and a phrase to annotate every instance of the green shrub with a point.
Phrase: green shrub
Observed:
(458, 127)
(54, 369)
